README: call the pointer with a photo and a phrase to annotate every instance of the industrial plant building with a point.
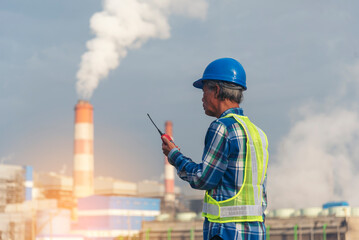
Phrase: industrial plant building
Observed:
(331, 221)
(109, 217)
(309, 225)
(39, 205)
(56, 206)
(15, 184)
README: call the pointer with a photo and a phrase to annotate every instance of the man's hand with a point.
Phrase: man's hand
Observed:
(167, 146)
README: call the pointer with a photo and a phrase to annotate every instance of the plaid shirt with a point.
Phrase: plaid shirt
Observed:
(221, 173)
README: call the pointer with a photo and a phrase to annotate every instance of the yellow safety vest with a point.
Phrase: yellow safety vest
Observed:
(246, 205)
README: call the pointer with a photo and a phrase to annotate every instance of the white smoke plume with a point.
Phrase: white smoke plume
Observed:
(124, 25)
(318, 161)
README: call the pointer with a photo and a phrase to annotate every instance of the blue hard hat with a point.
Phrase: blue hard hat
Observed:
(224, 69)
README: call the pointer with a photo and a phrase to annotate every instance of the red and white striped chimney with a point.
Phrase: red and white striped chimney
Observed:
(83, 150)
(169, 171)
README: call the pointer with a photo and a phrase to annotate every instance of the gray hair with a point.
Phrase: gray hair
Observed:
(227, 90)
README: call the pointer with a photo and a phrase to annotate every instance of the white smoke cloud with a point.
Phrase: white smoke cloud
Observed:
(123, 25)
(318, 161)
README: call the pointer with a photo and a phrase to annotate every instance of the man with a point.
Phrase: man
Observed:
(234, 161)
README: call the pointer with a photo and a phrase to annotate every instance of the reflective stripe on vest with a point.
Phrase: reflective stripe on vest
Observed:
(246, 205)
(232, 211)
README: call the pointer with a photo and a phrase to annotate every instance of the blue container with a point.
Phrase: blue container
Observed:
(93, 203)
(93, 223)
(125, 223)
(335, 204)
(111, 222)
(115, 202)
(114, 212)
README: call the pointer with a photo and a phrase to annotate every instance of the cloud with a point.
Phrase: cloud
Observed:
(124, 25)
(318, 160)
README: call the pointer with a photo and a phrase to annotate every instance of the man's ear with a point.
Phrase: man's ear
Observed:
(216, 91)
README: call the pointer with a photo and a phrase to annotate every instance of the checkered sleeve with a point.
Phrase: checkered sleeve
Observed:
(207, 174)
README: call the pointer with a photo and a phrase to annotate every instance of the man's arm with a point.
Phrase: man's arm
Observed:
(207, 174)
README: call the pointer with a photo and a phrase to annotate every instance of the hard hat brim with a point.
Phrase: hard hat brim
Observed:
(198, 83)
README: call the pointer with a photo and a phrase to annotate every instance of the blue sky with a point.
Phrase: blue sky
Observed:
(297, 55)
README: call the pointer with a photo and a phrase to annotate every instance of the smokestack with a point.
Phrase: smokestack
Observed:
(169, 171)
(83, 150)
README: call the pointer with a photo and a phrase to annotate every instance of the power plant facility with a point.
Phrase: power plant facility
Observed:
(179, 120)
(52, 205)
(83, 173)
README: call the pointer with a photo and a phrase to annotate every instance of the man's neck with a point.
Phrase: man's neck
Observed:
(224, 106)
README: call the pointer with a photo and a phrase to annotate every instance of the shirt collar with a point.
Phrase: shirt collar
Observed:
(238, 111)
